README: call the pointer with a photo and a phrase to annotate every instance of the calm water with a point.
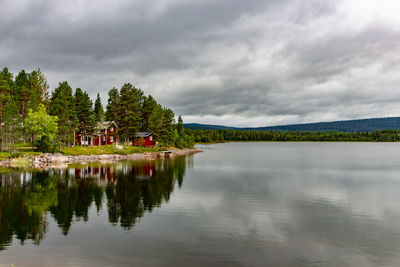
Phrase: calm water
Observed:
(239, 204)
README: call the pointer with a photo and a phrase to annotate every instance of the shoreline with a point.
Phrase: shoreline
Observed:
(58, 160)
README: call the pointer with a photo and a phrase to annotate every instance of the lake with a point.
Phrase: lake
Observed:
(235, 204)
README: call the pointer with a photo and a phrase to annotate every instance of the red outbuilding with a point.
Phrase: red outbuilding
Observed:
(104, 134)
(144, 139)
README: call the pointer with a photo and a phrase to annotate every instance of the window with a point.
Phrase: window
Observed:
(111, 139)
(104, 138)
(151, 138)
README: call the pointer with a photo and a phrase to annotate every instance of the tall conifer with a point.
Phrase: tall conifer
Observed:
(98, 109)
(62, 105)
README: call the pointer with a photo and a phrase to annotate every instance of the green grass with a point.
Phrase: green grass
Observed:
(26, 154)
(26, 151)
(5, 155)
(109, 149)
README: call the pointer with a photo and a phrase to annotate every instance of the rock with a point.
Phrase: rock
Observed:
(58, 160)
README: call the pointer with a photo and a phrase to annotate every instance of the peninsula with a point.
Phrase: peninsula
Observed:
(64, 126)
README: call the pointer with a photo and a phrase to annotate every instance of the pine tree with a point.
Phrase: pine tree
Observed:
(167, 126)
(179, 126)
(12, 123)
(156, 121)
(130, 103)
(149, 105)
(38, 90)
(6, 82)
(98, 109)
(112, 108)
(62, 105)
(84, 110)
(21, 90)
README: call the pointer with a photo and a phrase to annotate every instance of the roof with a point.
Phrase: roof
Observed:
(143, 134)
(105, 124)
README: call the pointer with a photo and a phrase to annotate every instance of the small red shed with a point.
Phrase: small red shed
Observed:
(144, 139)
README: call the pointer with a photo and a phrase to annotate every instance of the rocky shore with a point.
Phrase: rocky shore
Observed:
(57, 160)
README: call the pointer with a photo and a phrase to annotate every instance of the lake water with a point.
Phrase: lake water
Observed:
(235, 204)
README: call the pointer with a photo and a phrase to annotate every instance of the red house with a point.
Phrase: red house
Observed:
(144, 139)
(104, 134)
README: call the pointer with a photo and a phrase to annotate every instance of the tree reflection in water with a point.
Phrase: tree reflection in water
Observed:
(130, 188)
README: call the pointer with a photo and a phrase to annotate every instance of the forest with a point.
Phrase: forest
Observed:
(221, 135)
(29, 113)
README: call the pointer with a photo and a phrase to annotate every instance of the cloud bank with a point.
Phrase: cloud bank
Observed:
(229, 62)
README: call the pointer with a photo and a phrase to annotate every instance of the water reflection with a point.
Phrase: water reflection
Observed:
(129, 189)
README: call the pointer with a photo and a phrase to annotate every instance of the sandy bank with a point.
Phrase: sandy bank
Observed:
(60, 161)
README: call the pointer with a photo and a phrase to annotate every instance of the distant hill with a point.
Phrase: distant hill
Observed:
(362, 125)
(198, 126)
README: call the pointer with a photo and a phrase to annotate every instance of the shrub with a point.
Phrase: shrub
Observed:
(44, 145)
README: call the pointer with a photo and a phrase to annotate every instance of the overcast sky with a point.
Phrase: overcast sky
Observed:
(230, 62)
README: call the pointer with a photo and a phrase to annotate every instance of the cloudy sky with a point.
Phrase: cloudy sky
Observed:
(231, 62)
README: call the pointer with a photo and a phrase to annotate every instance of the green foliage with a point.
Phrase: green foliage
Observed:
(167, 126)
(112, 105)
(62, 105)
(84, 110)
(129, 115)
(11, 123)
(98, 109)
(39, 124)
(179, 126)
(149, 104)
(24, 101)
(38, 90)
(44, 144)
(235, 135)
(155, 123)
(5, 155)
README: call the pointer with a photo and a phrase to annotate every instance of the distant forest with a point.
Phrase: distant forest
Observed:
(29, 113)
(221, 135)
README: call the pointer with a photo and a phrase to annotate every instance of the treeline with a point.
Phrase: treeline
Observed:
(28, 113)
(331, 136)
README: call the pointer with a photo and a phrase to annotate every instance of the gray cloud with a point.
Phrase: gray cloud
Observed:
(230, 62)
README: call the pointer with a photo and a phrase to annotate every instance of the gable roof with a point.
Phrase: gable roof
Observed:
(105, 124)
(143, 134)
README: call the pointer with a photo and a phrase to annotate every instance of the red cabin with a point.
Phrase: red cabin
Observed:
(144, 139)
(104, 134)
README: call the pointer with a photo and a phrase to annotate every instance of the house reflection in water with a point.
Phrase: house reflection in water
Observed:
(125, 190)
(142, 170)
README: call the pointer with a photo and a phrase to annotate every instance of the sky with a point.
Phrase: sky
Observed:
(230, 62)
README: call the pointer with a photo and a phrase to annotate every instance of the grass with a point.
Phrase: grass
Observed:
(21, 162)
(26, 151)
(5, 155)
(108, 149)
(28, 154)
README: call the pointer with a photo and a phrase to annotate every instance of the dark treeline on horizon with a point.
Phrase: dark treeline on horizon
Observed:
(29, 113)
(279, 136)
